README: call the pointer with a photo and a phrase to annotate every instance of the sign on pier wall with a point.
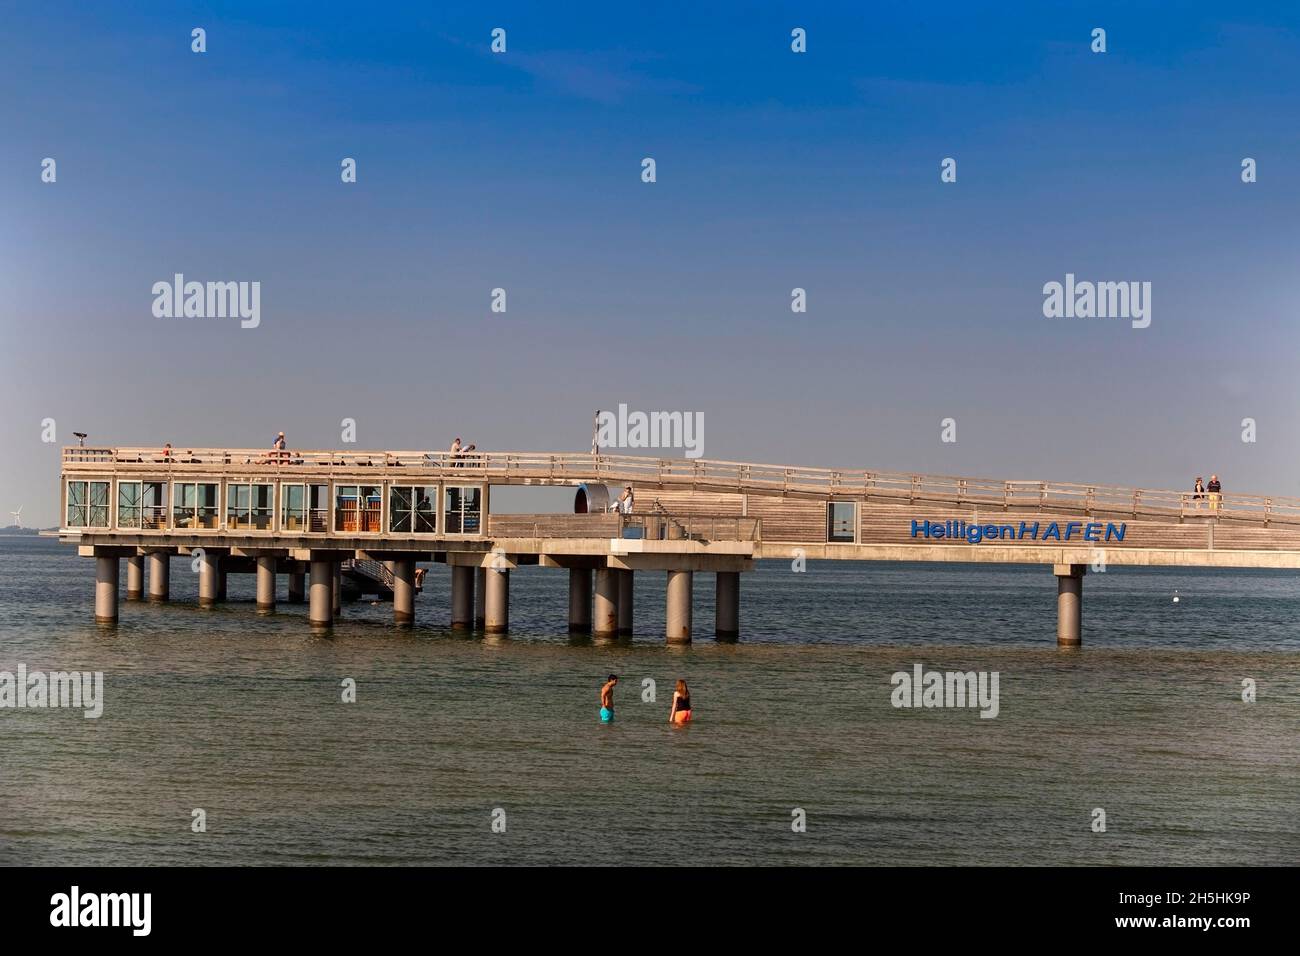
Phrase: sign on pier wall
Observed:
(974, 533)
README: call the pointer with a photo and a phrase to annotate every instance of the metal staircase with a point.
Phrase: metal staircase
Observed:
(361, 578)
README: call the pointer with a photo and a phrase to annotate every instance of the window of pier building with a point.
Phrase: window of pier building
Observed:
(87, 504)
(841, 522)
(304, 508)
(357, 508)
(413, 509)
(250, 506)
(462, 509)
(196, 504)
(142, 504)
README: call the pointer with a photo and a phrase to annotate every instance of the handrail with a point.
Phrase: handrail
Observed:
(708, 474)
(653, 525)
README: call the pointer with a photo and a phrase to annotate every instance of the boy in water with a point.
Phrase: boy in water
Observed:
(607, 699)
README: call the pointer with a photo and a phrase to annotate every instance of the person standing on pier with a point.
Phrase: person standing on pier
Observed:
(680, 711)
(453, 453)
(1214, 489)
(607, 699)
(278, 447)
(595, 434)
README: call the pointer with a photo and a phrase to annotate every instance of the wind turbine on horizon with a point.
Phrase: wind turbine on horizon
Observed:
(18, 516)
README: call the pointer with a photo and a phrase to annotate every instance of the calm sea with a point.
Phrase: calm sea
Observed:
(240, 715)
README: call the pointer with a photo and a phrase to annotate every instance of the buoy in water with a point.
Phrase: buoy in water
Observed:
(1176, 597)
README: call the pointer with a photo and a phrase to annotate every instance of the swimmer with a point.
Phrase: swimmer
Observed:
(680, 712)
(607, 699)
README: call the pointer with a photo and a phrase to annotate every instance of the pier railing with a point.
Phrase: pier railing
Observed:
(699, 474)
(650, 526)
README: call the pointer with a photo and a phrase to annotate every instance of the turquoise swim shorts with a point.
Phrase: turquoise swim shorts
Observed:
(606, 715)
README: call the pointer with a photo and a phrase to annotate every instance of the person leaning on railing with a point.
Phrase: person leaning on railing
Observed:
(1215, 489)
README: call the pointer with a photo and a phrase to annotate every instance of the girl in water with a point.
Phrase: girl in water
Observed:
(680, 712)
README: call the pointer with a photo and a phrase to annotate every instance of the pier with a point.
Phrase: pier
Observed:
(335, 521)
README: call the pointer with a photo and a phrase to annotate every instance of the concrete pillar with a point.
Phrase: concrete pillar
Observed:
(106, 571)
(727, 618)
(209, 573)
(404, 591)
(462, 597)
(625, 591)
(496, 618)
(321, 609)
(336, 588)
(1069, 604)
(680, 587)
(579, 600)
(135, 577)
(605, 615)
(160, 575)
(480, 598)
(265, 584)
(296, 587)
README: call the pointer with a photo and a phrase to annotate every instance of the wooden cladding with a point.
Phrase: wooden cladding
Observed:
(800, 521)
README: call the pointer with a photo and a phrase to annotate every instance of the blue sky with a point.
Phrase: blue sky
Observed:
(775, 170)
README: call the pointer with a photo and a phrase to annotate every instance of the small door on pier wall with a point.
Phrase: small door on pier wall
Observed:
(841, 522)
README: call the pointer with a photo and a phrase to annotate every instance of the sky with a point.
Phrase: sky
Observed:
(775, 170)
